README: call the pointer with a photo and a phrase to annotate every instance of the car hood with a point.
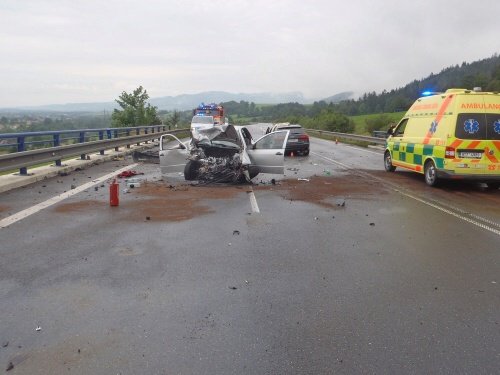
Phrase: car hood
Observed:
(216, 133)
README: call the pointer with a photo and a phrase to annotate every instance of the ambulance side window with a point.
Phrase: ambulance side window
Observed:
(400, 129)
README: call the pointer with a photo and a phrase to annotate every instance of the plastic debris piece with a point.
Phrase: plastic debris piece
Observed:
(341, 202)
(372, 224)
(304, 179)
(129, 173)
(38, 328)
(233, 287)
(326, 172)
(5, 344)
(316, 218)
(10, 366)
(236, 232)
(148, 217)
(273, 181)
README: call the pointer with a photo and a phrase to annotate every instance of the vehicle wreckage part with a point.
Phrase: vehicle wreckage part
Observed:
(191, 170)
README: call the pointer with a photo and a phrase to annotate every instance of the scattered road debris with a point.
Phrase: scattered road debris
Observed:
(133, 182)
(38, 328)
(10, 366)
(5, 344)
(304, 179)
(233, 287)
(372, 224)
(236, 232)
(129, 173)
(340, 202)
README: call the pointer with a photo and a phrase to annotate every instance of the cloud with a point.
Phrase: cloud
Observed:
(318, 47)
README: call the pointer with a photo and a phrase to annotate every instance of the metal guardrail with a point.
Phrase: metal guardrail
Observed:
(116, 137)
(354, 137)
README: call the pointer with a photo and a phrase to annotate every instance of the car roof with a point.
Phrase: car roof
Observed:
(288, 126)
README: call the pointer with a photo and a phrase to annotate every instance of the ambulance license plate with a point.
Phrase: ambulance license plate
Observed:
(470, 154)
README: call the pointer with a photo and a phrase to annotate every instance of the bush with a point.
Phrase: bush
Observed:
(381, 122)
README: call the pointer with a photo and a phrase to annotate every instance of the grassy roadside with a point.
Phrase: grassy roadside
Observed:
(360, 120)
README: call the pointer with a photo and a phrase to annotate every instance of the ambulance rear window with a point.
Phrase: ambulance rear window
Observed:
(493, 127)
(471, 126)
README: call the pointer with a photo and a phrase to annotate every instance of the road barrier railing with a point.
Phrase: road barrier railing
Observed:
(349, 136)
(33, 148)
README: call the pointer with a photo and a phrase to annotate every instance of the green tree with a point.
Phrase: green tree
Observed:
(174, 119)
(135, 111)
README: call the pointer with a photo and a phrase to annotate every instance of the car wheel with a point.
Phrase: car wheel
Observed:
(430, 173)
(495, 185)
(191, 170)
(388, 162)
(306, 152)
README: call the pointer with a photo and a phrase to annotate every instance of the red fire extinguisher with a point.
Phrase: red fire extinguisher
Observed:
(113, 194)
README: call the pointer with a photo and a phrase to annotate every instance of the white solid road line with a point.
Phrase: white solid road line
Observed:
(435, 204)
(253, 202)
(4, 223)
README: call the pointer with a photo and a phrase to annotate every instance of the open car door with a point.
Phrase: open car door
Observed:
(267, 154)
(173, 154)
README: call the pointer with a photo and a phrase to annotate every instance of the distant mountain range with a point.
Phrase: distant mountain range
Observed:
(186, 101)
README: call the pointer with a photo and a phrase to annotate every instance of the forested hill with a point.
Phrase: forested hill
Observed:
(483, 73)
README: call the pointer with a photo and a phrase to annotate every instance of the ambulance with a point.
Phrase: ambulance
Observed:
(451, 135)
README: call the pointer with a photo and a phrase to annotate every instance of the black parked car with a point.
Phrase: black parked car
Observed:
(298, 140)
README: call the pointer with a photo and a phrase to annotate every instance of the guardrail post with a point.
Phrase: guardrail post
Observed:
(20, 147)
(116, 136)
(138, 131)
(81, 139)
(128, 135)
(57, 142)
(146, 132)
(101, 137)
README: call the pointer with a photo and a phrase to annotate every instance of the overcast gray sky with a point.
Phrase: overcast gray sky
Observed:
(88, 51)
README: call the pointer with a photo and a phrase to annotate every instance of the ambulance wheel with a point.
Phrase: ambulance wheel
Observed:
(191, 170)
(430, 173)
(388, 162)
(493, 185)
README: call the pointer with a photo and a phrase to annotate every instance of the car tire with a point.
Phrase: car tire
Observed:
(306, 152)
(430, 173)
(388, 162)
(495, 185)
(191, 170)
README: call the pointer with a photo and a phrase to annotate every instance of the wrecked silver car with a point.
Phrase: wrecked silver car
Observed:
(224, 153)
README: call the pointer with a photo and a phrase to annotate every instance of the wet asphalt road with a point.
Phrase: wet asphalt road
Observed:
(400, 278)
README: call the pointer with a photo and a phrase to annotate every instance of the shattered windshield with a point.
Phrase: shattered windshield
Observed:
(202, 120)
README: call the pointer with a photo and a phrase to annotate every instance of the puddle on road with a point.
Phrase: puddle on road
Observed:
(325, 190)
(158, 202)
